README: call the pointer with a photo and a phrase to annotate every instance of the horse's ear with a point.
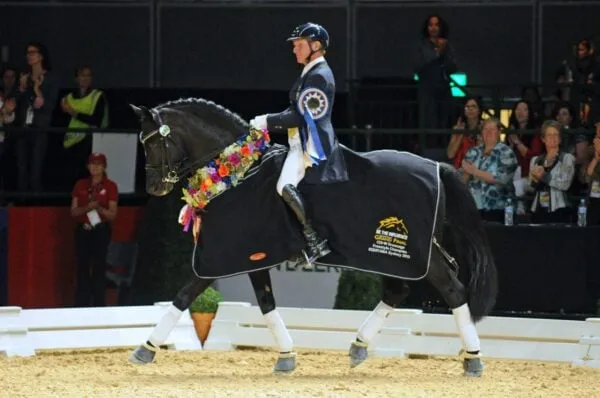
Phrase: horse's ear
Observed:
(141, 112)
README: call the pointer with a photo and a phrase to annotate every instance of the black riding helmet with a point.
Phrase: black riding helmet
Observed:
(311, 32)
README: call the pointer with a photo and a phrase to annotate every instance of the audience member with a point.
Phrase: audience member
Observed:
(9, 87)
(551, 175)
(7, 117)
(469, 120)
(488, 170)
(525, 145)
(434, 63)
(531, 95)
(593, 179)
(38, 91)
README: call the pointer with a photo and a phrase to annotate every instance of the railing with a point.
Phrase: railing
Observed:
(394, 105)
(378, 116)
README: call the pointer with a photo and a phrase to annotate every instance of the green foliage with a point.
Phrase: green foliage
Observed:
(358, 291)
(164, 254)
(207, 301)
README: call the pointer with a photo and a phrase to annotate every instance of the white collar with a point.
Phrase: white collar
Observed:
(312, 63)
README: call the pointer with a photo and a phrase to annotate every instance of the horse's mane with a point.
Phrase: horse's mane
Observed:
(205, 109)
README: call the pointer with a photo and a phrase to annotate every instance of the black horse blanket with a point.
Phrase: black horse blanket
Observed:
(380, 221)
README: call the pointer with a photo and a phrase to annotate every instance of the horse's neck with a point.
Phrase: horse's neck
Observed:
(203, 146)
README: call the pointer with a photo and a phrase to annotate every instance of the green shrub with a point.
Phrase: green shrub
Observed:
(358, 291)
(207, 301)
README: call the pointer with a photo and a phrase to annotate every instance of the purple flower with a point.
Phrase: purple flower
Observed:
(234, 159)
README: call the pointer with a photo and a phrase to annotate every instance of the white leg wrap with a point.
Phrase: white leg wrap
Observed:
(164, 327)
(468, 332)
(280, 332)
(372, 325)
(293, 167)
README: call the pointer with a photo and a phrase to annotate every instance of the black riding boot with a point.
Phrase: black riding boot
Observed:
(317, 247)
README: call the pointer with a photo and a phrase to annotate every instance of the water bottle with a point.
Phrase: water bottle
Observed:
(509, 212)
(582, 213)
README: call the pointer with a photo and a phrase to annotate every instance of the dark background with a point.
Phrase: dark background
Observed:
(206, 45)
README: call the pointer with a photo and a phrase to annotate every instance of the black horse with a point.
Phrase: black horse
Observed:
(387, 219)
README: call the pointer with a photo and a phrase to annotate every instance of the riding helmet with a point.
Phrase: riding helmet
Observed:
(312, 32)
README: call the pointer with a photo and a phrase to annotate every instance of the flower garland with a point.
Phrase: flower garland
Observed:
(225, 172)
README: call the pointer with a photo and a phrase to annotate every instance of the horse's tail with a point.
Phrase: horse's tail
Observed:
(471, 243)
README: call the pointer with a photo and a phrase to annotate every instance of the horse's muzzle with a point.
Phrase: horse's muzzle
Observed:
(155, 186)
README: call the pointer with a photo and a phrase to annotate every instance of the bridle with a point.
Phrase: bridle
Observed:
(164, 133)
(174, 171)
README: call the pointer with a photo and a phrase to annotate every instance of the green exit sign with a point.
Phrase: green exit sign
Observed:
(461, 81)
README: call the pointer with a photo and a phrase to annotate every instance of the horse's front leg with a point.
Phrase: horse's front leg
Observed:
(145, 353)
(261, 282)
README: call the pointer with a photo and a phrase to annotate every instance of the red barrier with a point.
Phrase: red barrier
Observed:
(41, 253)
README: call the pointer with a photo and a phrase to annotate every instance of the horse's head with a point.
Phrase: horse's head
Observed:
(181, 136)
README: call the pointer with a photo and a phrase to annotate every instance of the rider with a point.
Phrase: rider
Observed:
(307, 120)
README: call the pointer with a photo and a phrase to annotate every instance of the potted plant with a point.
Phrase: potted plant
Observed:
(203, 310)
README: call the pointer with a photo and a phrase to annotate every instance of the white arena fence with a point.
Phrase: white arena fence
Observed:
(406, 332)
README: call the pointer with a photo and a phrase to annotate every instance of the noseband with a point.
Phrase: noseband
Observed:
(164, 133)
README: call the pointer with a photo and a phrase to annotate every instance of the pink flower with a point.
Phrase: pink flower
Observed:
(215, 177)
(234, 159)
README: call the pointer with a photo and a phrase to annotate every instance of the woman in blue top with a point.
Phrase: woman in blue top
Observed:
(488, 170)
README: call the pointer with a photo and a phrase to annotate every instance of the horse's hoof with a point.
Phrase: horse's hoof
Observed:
(142, 356)
(286, 363)
(473, 367)
(358, 353)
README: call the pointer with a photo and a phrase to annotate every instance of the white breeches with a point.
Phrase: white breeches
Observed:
(295, 163)
(293, 169)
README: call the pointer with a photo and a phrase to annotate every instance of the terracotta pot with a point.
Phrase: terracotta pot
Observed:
(111, 297)
(202, 322)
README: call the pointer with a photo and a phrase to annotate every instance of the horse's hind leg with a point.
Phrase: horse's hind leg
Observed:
(444, 279)
(261, 282)
(394, 292)
(145, 353)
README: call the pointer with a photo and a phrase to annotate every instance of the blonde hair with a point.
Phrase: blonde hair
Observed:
(491, 120)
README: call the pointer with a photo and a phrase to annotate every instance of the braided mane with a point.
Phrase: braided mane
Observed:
(206, 109)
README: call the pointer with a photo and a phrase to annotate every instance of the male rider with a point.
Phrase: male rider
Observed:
(307, 120)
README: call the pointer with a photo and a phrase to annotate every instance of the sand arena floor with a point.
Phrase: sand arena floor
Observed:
(247, 373)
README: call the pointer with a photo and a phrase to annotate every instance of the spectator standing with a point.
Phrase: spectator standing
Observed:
(593, 180)
(94, 207)
(435, 62)
(551, 175)
(87, 108)
(470, 120)
(488, 169)
(38, 92)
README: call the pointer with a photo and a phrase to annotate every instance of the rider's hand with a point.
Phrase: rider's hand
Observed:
(259, 122)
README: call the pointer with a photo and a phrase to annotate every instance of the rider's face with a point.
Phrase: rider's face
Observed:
(301, 50)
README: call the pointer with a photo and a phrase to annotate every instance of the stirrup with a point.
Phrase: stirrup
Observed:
(305, 260)
(313, 253)
(319, 249)
(308, 262)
